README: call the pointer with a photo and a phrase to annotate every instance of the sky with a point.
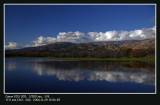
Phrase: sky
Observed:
(36, 25)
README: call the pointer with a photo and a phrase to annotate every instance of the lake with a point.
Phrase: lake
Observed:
(33, 75)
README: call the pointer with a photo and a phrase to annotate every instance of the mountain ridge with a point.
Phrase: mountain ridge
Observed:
(90, 49)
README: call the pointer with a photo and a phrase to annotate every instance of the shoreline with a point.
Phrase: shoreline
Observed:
(106, 59)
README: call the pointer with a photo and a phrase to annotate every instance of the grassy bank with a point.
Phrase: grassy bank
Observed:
(109, 59)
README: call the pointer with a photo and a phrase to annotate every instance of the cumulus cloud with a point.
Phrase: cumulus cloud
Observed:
(43, 41)
(145, 33)
(140, 34)
(61, 37)
(12, 45)
(72, 37)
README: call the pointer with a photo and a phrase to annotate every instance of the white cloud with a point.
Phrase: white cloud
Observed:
(145, 33)
(72, 37)
(61, 37)
(12, 45)
(43, 41)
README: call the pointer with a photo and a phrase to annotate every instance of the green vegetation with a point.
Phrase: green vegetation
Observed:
(149, 59)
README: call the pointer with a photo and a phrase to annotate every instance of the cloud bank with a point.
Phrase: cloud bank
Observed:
(72, 37)
(145, 33)
(12, 45)
(75, 37)
(61, 37)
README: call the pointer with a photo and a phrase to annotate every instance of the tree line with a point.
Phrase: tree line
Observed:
(125, 52)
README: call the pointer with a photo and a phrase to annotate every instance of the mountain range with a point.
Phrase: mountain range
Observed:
(89, 49)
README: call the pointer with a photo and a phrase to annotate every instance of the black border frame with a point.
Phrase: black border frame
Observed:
(90, 98)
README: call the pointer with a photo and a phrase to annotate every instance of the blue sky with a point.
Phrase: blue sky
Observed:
(25, 23)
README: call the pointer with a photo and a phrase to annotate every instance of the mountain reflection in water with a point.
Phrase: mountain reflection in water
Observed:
(137, 72)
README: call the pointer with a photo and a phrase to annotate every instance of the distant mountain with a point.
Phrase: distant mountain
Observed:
(89, 49)
(87, 46)
(118, 43)
(56, 46)
(25, 49)
(92, 47)
(49, 47)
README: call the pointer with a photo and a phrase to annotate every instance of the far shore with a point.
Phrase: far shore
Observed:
(149, 59)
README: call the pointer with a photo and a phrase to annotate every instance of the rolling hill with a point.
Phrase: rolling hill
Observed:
(89, 49)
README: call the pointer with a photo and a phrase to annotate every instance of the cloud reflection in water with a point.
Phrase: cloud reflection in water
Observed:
(94, 71)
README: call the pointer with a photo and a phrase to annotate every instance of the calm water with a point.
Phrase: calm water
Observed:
(67, 76)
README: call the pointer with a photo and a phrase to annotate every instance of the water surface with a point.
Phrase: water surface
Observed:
(28, 75)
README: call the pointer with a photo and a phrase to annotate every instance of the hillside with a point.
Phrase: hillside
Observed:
(146, 44)
(93, 47)
(89, 49)
(49, 47)
(118, 43)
